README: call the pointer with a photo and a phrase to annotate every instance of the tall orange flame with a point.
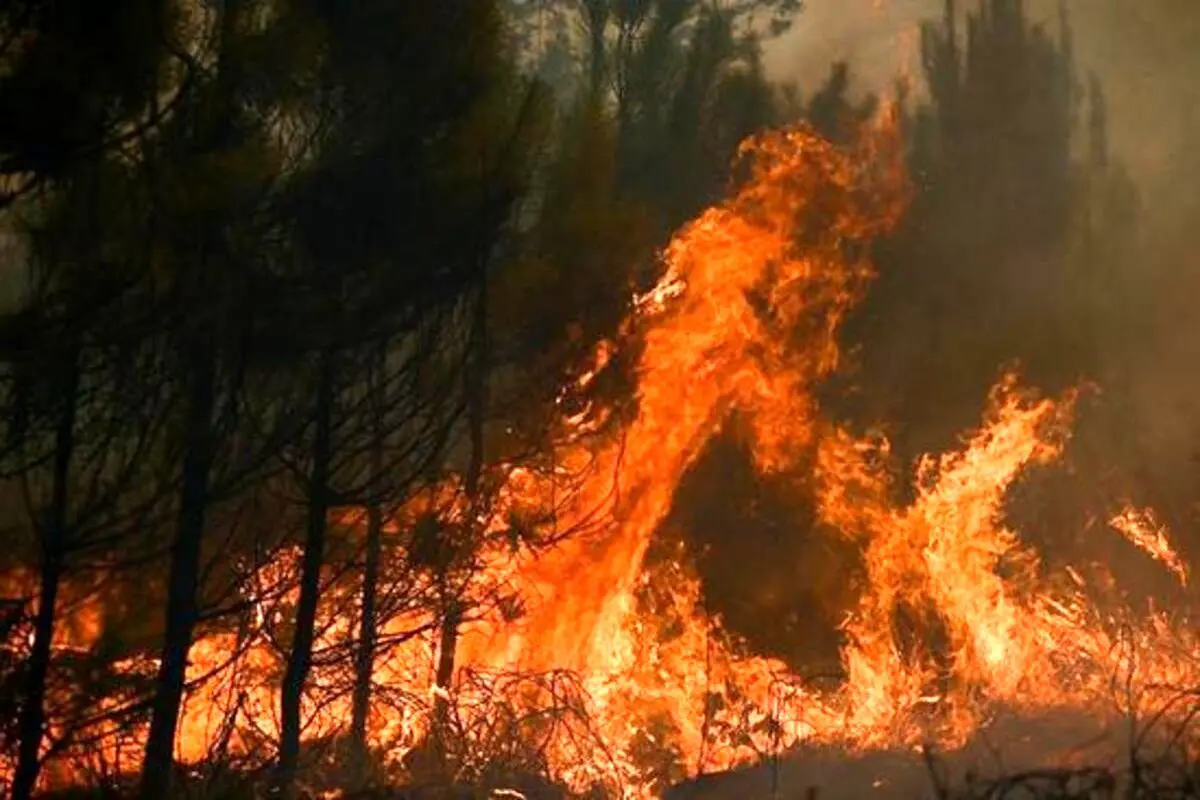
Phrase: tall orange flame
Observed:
(956, 614)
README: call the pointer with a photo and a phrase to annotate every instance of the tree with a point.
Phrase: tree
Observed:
(665, 92)
(76, 81)
(209, 175)
(424, 173)
(61, 318)
(74, 87)
(983, 271)
(682, 79)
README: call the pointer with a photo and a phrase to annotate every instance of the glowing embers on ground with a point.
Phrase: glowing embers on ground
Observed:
(581, 660)
(746, 318)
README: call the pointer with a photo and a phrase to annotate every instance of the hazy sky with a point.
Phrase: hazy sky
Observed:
(1146, 52)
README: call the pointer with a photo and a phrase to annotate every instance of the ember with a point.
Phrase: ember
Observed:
(624, 649)
(524, 623)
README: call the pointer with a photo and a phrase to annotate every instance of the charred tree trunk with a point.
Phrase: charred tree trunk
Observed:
(199, 357)
(447, 645)
(364, 656)
(32, 718)
(183, 578)
(444, 677)
(452, 607)
(300, 660)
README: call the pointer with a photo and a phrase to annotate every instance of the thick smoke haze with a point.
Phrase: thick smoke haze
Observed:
(1144, 54)
(1142, 50)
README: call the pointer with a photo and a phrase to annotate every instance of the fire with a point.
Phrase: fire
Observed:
(957, 616)
(1145, 532)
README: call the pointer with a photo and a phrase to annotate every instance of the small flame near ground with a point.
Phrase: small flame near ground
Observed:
(646, 687)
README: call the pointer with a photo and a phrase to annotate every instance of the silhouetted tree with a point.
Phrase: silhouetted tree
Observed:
(422, 160)
(984, 270)
(75, 86)
(76, 81)
(209, 175)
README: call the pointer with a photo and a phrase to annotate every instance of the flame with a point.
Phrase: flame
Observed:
(1145, 532)
(956, 617)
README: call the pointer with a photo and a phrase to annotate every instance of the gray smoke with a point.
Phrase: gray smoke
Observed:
(1144, 54)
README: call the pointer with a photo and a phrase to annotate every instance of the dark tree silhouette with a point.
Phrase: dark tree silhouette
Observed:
(410, 257)
(75, 87)
(986, 268)
(78, 81)
(209, 174)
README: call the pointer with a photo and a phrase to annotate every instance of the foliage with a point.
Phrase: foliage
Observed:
(242, 225)
(287, 269)
(986, 267)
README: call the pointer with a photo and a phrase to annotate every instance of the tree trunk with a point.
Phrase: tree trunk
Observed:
(444, 680)
(447, 645)
(183, 578)
(452, 610)
(364, 656)
(32, 718)
(300, 660)
(199, 356)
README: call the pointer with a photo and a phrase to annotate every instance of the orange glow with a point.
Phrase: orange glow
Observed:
(1146, 533)
(745, 320)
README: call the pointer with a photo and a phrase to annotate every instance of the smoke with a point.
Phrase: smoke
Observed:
(876, 36)
(1143, 55)
(1142, 50)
